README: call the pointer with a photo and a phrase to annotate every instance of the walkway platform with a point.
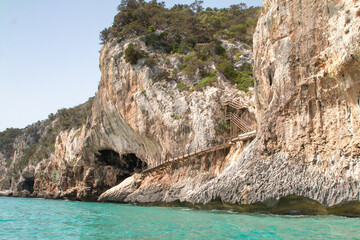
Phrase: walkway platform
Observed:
(240, 138)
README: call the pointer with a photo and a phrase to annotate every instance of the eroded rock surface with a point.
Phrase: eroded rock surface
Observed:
(139, 118)
(307, 80)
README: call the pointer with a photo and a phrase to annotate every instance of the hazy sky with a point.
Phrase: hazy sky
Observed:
(49, 54)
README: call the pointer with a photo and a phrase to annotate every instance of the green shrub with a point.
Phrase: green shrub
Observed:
(205, 51)
(238, 55)
(182, 86)
(175, 117)
(228, 69)
(151, 28)
(151, 39)
(163, 75)
(132, 55)
(233, 31)
(192, 63)
(243, 78)
(208, 81)
(133, 29)
(76, 133)
(220, 50)
(151, 61)
(104, 36)
(246, 67)
(158, 42)
(224, 125)
(244, 81)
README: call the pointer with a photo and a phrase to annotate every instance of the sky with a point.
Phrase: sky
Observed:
(49, 54)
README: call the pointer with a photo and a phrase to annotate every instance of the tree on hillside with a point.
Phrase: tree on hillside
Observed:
(104, 35)
(130, 4)
(183, 26)
(197, 6)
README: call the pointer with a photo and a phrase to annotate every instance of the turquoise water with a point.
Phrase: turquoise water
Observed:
(48, 219)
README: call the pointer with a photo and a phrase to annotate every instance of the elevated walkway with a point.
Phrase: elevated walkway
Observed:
(182, 158)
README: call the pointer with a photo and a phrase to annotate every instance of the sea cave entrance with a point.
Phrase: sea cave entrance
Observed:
(128, 163)
(27, 184)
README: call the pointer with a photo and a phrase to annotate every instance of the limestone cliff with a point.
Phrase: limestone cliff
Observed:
(143, 121)
(139, 118)
(307, 100)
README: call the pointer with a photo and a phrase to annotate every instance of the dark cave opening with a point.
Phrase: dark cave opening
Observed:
(109, 157)
(129, 163)
(27, 184)
(270, 78)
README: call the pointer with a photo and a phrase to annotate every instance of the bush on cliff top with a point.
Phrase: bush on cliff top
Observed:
(185, 25)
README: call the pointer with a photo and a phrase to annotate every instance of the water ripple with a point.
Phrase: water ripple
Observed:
(48, 219)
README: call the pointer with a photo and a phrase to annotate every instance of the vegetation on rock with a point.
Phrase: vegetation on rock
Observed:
(182, 86)
(183, 26)
(7, 138)
(208, 81)
(132, 55)
(40, 137)
(189, 30)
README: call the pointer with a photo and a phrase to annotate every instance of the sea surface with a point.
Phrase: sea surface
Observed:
(48, 219)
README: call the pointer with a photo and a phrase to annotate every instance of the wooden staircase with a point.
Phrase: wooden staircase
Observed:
(235, 103)
(237, 124)
(241, 124)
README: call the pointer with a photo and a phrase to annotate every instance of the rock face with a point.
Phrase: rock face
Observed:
(176, 182)
(121, 191)
(307, 73)
(307, 98)
(139, 118)
(131, 105)
(8, 168)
